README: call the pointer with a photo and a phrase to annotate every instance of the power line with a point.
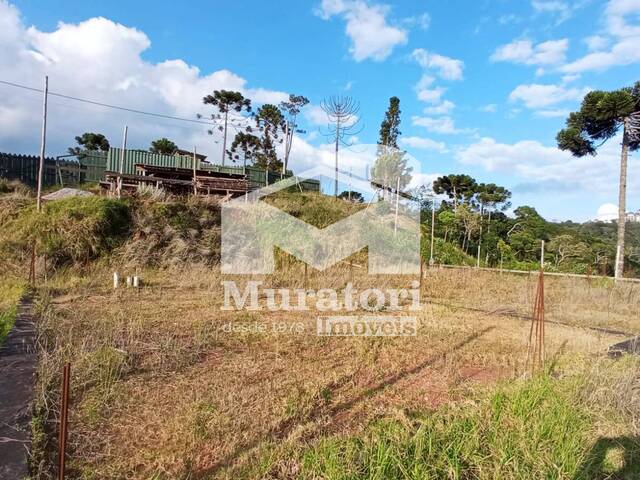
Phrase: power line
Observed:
(117, 107)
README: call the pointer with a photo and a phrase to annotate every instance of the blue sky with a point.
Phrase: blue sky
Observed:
(484, 86)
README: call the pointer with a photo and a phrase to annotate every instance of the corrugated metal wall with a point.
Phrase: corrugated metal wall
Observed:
(131, 157)
(91, 168)
(25, 168)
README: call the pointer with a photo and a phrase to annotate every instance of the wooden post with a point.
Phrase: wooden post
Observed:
(121, 169)
(64, 411)
(195, 177)
(542, 255)
(433, 230)
(395, 225)
(43, 141)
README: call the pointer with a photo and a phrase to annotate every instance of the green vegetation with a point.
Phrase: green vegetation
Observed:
(544, 428)
(72, 230)
(11, 290)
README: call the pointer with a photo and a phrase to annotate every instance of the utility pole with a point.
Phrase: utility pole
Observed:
(337, 143)
(121, 169)
(43, 141)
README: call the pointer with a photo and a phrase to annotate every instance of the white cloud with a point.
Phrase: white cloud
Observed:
(490, 108)
(438, 125)
(422, 21)
(315, 115)
(560, 10)
(552, 52)
(426, 94)
(423, 179)
(371, 36)
(624, 51)
(544, 168)
(538, 96)
(423, 144)
(508, 19)
(442, 109)
(102, 60)
(616, 15)
(570, 78)
(552, 113)
(445, 67)
(596, 42)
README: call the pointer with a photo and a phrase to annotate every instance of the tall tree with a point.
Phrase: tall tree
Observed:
(292, 108)
(391, 164)
(258, 144)
(390, 127)
(342, 114)
(226, 101)
(88, 141)
(459, 188)
(163, 146)
(601, 116)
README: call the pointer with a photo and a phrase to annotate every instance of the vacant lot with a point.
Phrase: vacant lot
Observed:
(166, 385)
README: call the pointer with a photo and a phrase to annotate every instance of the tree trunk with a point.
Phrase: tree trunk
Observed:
(224, 139)
(337, 143)
(622, 200)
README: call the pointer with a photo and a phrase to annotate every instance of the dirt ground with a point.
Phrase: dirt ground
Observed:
(163, 386)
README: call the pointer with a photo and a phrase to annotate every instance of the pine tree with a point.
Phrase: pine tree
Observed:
(601, 116)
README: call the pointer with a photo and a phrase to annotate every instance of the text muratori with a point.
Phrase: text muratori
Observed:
(324, 300)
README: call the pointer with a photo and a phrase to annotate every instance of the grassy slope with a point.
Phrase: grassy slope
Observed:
(545, 428)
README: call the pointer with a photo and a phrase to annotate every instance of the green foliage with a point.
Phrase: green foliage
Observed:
(227, 100)
(389, 129)
(260, 148)
(351, 195)
(90, 142)
(11, 290)
(600, 117)
(459, 188)
(74, 229)
(530, 430)
(163, 146)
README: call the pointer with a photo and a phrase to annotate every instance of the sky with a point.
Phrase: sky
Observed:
(484, 86)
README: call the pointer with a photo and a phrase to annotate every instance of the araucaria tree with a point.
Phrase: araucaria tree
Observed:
(291, 108)
(342, 114)
(601, 116)
(260, 147)
(226, 101)
(391, 167)
(91, 142)
(163, 146)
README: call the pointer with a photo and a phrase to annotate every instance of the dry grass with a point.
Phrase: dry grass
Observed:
(160, 388)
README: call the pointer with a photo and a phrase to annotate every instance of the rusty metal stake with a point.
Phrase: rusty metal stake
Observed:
(32, 265)
(536, 347)
(305, 275)
(64, 410)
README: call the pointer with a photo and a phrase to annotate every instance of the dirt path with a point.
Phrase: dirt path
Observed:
(17, 368)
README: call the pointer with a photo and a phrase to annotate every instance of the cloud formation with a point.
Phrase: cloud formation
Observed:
(525, 52)
(366, 25)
